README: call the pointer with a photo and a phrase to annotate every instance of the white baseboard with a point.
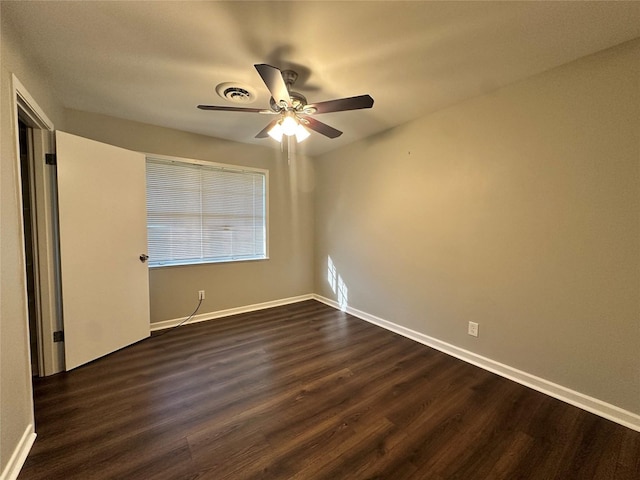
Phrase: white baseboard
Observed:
(202, 317)
(577, 399)
(19, 455)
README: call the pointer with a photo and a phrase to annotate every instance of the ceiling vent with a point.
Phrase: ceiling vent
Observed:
(236, 93)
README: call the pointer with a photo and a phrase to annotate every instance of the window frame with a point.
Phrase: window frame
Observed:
(224, 167)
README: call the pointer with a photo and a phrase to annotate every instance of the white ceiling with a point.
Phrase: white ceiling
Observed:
(153, 62)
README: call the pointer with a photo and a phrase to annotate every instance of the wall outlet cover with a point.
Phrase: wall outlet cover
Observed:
(473, 329)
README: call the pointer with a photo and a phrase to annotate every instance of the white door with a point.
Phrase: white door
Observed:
(103, 233)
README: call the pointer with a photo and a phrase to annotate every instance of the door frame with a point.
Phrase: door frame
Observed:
(46, 262)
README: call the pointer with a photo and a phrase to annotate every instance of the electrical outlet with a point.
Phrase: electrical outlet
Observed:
(200, 294)
(473, 329)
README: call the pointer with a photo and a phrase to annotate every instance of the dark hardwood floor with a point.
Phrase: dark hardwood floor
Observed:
(308, 392)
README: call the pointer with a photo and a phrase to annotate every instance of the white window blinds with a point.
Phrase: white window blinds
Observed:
(199, 213)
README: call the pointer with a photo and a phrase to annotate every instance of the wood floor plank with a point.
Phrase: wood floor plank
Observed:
(305, 391)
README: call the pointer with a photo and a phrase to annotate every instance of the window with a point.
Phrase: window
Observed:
(201, 213)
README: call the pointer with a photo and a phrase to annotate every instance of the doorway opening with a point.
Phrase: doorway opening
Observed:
(25, 143)
(37, 185)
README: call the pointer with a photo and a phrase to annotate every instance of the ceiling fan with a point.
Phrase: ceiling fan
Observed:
(293, 111)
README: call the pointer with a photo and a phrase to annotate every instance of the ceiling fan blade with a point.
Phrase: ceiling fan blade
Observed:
(231, 109)
(272, 78)
(320, 127)
(342, 104)
(264, 133)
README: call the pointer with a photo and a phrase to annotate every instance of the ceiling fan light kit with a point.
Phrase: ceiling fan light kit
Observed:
(289, 124)
(276, 132)
(292, 107)
(301, 133)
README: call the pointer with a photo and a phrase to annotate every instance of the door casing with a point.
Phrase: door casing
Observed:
(50, 354)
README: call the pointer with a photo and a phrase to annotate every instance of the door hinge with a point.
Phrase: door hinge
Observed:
(50, 159)
(58, 336)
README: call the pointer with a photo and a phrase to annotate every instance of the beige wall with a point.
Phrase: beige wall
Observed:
(519, 210)
(287, 273)
(16, 411)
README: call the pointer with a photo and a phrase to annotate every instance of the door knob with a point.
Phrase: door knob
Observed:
(144, 257)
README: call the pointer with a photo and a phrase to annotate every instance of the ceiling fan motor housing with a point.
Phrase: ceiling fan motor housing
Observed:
(298, 101)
